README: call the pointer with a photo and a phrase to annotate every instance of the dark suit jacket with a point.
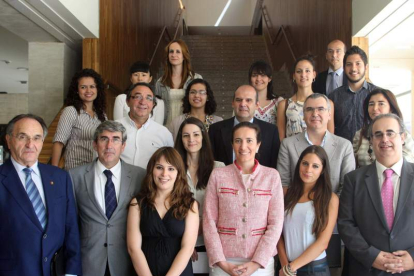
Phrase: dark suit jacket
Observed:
(27, 249)
(319, 85)
(362, 224)
(94, 232)
(220, 138)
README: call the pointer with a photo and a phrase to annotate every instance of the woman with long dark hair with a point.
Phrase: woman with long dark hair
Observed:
(193, 144)
(290, 111)
(243, 211)
(260, 77)
(177, 75)
(163, 219)
(84, 112)
(311, 209)
(198, 102)
(379, 101)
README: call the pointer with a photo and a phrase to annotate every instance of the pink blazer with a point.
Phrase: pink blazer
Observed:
(243, 221)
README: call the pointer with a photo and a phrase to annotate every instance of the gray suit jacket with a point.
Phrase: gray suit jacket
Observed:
(339, 151)
(362, 224)
(104, 240)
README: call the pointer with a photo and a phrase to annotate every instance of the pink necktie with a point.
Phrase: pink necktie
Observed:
(387, 195)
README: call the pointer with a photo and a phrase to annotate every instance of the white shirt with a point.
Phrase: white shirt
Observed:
(395, 178)
(36, 177)
(143, 142)
(100, 182)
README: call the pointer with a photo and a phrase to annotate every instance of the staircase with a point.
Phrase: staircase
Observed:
(224, 61)
(46, 153)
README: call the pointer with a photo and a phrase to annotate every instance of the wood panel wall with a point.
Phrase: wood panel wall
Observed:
(128, 32)
(312, 24)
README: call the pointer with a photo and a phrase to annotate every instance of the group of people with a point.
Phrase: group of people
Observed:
(168, 181)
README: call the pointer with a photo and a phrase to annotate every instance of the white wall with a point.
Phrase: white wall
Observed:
(86, 11)
(206, 12)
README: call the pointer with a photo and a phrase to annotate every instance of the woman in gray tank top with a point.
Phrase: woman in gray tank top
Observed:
(311, 210)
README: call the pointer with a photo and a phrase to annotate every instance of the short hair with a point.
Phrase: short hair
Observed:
(316, 96)
(257, 94)
(309, 58)
(388, 115)
(248, 125)
(10, 125)
(140, 66)
(132, 87)
(262, 67)
(336, 40)
(211, 104)
(355, 50)
(110, 126)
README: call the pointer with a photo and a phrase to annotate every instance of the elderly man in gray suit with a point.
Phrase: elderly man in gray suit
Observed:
(317, 112)
(103, 190)
(376, 211)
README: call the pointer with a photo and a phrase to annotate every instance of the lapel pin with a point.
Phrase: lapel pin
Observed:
(51, 182)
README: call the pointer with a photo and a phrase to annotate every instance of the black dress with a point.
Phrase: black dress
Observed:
(161, 240)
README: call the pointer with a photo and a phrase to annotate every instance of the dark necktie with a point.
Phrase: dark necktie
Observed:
(35, 198)
(110, 195)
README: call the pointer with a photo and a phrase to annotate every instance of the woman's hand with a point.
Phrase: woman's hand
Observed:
(194, 256)
(246, 269)
(228, 268)
(281, 273)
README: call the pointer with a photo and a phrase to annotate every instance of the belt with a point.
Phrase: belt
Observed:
(315, 266)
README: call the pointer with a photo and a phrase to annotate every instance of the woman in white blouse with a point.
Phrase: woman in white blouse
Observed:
(193, 144)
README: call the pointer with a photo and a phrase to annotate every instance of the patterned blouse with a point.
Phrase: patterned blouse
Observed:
(294, 118)
(364, 154)
(269, 112)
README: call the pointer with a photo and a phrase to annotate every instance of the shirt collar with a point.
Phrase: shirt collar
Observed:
(236, 122)
(364, 85)
(19, 167)
(116, 170)
(338, 72)
(310, 142)
(256, 163)
(397, 167)
(145, 125)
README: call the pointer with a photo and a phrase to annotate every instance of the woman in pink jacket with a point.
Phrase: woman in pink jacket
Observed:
(243, 211)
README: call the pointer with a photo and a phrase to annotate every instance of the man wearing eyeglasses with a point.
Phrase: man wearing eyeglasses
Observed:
(145, 135)
(37, 210)
(327, 81)
(376, 214)
(103, 190)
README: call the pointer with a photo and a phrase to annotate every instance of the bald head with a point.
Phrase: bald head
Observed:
(335, 54)
(245, 102)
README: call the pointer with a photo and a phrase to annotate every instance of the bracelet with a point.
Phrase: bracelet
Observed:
(288, 271)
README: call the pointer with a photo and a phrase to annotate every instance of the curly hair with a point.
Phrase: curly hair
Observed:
(187, 70)
(181, 199)
(73, 99)
(211, 104)
(263, 68)
(206, 158)
(321, 193)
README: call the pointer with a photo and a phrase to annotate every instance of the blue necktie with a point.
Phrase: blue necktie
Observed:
(110, 195)
(35, 198)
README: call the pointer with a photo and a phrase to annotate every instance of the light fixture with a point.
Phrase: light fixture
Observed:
(6, 61)
(222, 13)
(23, 82)
(22, 68)
(181, 4)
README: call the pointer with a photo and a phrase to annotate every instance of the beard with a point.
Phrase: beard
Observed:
(358, 80)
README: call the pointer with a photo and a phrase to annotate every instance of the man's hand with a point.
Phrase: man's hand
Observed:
(194, 256)
(407, 262)
(388, 262)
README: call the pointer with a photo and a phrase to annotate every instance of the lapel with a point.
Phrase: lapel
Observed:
(50, 191)
(90, 186)
(15, 187)
(226, 137)
(330, 146)
(300, 144)
(124, 187)
(406, 184)
(371, 182)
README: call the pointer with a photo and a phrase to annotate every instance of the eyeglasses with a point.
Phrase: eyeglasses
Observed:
(139, 97)
(114, 140)
(201, 92)
(25, 138)
(390, 135)
(320, 109)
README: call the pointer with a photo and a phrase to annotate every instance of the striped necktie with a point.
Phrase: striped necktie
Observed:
(35, 198)
(110, 195)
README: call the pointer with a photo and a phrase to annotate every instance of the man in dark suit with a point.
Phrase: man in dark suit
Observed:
(327, 81)
(103, 191)
(245, 102)
(37, 209)
(376, 214)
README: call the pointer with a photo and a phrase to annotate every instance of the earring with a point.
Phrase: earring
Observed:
(313, 80)
(293, 80)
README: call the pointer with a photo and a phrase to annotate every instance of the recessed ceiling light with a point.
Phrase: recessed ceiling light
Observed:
(5, 61)
(23, 82)
(22, 68)
(3, 92)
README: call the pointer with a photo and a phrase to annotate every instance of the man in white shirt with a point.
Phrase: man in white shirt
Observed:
(103, 191)
(376, 214)
(145, 135)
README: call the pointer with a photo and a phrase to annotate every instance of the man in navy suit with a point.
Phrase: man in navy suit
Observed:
(245, 102)
(37, 209)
